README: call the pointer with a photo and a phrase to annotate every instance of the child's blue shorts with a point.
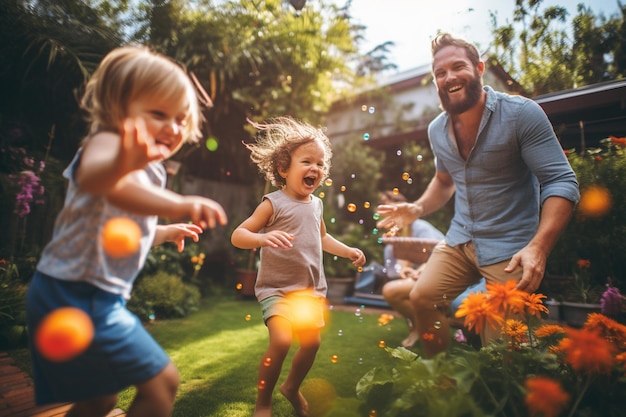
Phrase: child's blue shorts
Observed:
(122, 353)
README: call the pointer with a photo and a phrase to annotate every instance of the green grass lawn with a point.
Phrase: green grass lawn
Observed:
(218, 349)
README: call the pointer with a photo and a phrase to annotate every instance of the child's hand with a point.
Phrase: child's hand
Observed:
(357, 257)
(137, 148)
(204, 212)
(177, 233)
(276, 239)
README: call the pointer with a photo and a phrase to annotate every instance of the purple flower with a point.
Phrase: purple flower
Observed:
(611, 301)
(30, 192)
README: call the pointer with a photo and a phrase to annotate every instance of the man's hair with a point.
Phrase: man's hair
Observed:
(445, 39)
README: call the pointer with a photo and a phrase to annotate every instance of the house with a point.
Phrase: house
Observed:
(400, 109)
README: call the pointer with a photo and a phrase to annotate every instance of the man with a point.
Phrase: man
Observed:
(514, 190)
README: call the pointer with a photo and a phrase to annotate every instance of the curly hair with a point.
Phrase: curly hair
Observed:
(277, 139)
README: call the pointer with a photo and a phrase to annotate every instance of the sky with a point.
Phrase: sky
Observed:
(411, 24)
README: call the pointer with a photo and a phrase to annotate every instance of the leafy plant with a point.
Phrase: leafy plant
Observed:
(163, 295)
(533, 369)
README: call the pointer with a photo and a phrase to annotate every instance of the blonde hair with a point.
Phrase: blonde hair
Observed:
(130, 72)
(276, 141)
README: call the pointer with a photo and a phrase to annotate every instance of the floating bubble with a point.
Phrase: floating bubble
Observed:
(333, 220)
(351, 207)
(261, 384)
(364, 108)
(595, 201)
(419, 158)
(372, 413)
(64, 334)
(405, 176)
(371, 110)
(361, 221)
(409, 181)
(248, 317)
(340, 332)
(399, 152)
(343, 188)
(376, 216)
(328, 182)
(357, 312)
(375, 231)
(120, 237)
(366, 136)
(211, 144)
(239, 286)
(366, 204)
(360, 361)
(353, 176)
(334, 358)
(381, 344)
(267, 362)
(322, 194)
(380, 240)
(437, 325)
(396, 191)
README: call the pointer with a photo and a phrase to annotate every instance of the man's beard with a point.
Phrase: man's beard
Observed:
(474, 89)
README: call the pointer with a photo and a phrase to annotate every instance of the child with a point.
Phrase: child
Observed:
(289, 228)
(141, 107)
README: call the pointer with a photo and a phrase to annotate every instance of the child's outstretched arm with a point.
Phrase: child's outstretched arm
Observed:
(154, 201)
(335, 247)
(247, 236)
(176, 233)
(108, 157)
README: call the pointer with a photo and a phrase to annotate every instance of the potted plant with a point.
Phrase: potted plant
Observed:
(582, 297)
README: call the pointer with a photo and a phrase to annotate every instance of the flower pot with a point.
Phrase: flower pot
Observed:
(575, 314)
(554, 310)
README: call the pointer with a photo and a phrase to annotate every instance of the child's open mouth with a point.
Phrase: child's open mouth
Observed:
(310, 181)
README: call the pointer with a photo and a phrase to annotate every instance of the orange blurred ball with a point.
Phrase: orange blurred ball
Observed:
(64, 334)
(120, 237)
(595, 201)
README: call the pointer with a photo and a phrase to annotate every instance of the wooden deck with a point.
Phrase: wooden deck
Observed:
(17, 397)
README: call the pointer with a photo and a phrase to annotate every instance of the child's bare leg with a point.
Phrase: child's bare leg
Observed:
(271, 364)
(302, 361)
(155, 397)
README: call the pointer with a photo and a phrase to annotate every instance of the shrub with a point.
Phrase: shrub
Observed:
(598, 237)
(163, 295)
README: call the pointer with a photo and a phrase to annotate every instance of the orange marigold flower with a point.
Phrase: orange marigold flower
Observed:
(504, 297)
(545, 397)
(533, 304)
(587, 351)
(477, 312)
(583, 263)
(609, 329)
(548, 330)
(515, 330)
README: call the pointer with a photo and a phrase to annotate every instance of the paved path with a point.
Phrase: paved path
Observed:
(17, 397)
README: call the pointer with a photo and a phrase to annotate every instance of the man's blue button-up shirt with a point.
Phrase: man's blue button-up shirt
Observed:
(514, 166)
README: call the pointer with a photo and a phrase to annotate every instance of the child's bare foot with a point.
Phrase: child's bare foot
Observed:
(411, 339)
(262, 412)
(297, 400)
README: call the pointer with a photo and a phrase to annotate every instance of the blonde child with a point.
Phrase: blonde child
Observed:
(142, 107)
(289, 228)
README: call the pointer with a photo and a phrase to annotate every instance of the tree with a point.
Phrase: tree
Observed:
(549, 58)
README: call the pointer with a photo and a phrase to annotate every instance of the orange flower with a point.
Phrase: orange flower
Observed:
(609, 329)
(515, 330)
(548, 330)
(587, 351)
(583, 263)
(618, 141)
(534, 305)
(545, 397)
(504, 297)
(477, 312)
